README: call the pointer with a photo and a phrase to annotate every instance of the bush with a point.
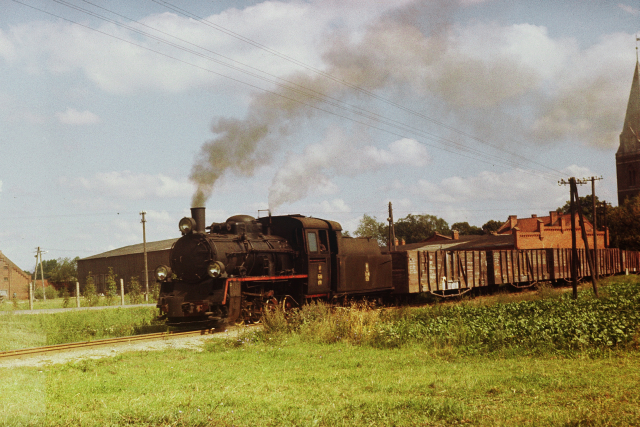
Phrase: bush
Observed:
(135, 294)
(112, 287)
(89, 293)
(558, 323)
(64, 293)
(50, 293)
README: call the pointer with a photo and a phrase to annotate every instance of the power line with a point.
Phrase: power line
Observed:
(487, 158)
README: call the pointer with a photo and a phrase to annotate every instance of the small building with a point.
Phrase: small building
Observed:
(553, 231)
(127, 262)
(13, 280)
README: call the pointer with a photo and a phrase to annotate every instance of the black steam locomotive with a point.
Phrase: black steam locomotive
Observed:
(234, 271)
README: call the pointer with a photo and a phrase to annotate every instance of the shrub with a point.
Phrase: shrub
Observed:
(64, 293)
(112, 287)
(89, 293)
(135, 294)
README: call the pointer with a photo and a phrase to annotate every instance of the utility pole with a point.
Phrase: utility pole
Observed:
(35, 273)
(392, 231)
(593, 180)
(146, 269)
(576, 206)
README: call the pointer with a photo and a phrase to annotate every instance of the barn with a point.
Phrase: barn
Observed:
(127, 262)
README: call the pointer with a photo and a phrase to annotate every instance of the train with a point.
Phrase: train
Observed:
(232, 272)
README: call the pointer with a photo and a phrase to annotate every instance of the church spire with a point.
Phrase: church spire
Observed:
(630, 135)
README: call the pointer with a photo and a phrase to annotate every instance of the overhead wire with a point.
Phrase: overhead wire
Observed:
(487, 157)
(224, 30)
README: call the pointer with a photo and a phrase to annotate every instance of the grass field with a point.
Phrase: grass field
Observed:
(9, 305)
(469, 363)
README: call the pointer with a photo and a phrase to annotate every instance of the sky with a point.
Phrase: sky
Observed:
(470, 110)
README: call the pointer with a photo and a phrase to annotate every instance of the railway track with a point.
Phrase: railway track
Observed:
(99, 343)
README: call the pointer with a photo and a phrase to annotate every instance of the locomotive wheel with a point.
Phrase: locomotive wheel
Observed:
(288, 304)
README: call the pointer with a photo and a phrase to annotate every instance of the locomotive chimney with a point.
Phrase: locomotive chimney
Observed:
(198, 215)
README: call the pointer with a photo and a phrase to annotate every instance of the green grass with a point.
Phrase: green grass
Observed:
(8, 305)
(468, 363)
(33, 330)
(294, 382)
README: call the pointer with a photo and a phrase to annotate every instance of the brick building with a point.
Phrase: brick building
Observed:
(553, 231)
(13, 280)
(628, 154)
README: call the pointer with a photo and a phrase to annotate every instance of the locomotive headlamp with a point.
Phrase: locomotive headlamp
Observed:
(215, 269)
(187, 225)
(162, 272)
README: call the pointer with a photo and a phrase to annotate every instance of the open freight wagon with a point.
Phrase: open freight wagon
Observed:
(449, 273)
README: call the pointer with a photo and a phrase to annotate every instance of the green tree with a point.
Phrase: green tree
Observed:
(65, 271)
(89, 293)
(491, 226)
(416, 228)
(467, 230)
(112, 287)
(370, 227)
(586, 203)
(624, 225)
(135, 292)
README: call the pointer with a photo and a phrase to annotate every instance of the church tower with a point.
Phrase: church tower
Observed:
(628, 155)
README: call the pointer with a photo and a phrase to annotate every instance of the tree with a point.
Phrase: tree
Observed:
(491, 226)
(416, 228)
(370, 227)
(135, 292)
(624, 225)
(112, 287)
(89, 293)
(586, 203)
(467, 230)
(64, 273)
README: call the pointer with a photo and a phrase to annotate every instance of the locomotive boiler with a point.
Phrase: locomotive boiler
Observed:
(235, 270)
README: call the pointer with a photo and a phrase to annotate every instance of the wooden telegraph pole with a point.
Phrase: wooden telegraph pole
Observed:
(392, 231)
(146, 268)
(576, 206)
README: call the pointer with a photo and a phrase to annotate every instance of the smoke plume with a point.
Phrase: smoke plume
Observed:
(500, 84)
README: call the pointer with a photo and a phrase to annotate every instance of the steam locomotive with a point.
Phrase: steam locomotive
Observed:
(234, 271)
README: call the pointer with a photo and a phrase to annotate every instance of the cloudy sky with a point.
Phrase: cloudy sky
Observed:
(470, 111)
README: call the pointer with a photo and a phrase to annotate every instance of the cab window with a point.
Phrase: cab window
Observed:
(312, 239)
(324, 241)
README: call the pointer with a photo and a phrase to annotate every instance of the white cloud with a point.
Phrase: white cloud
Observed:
(134, 186)
(514, 186)
(75, 117)
(338, 155)
(331, 206)
(629, 9)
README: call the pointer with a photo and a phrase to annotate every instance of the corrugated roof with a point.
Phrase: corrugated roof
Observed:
(160, 245)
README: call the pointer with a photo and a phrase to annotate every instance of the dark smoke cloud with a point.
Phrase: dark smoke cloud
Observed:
(480, 79)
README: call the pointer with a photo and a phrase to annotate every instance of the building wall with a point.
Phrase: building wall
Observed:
(13, 280)
(124, 266)
(556, 237)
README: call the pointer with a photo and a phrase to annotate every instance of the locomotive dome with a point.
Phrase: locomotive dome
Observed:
(240, 218)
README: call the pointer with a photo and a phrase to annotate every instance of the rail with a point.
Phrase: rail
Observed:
(101, 342)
